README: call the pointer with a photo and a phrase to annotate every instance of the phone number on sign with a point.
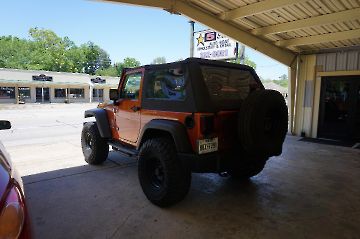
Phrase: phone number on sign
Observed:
(214, 54)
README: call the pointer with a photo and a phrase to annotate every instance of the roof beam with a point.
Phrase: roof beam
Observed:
(309, 22)
(164, 4)
(256, 8)
(284, 56)
(337, 36)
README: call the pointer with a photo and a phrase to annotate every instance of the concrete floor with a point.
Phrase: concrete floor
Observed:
(310, 191)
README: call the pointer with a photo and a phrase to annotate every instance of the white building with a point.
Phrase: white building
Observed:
(53, 87)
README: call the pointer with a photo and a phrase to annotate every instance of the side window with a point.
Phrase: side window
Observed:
(166, 84)
(131, 88)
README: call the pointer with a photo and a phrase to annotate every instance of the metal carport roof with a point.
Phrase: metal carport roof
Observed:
(278, 28)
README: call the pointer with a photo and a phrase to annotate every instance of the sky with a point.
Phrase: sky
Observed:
(121, 30)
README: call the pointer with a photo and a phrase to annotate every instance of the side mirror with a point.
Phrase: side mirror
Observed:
(114, 94)
(4, 124)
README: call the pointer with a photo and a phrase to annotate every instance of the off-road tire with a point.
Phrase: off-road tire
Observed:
(263, 123)
(94, 147)
(163, 178)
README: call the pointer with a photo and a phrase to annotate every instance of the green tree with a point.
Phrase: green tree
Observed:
(283, 77)
(95, 58)
(116, 69)
(47, 51)
(130, 62)
(282, 81)
(14, 52)
(110, 71)
(77, 59)
(159, 60)
(247, 62)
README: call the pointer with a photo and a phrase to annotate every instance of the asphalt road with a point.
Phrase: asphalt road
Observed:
(44, 137)
(310, 191)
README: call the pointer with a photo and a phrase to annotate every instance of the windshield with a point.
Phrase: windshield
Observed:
(227, 86)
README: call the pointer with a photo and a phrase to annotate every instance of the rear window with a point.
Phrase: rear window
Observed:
(227, 86)
(166, 84)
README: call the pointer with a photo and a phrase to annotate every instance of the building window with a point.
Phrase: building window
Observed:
(166, 84)
(24, 93)
(7, 92)
(60, 93)
(98, 94)
(76, 92)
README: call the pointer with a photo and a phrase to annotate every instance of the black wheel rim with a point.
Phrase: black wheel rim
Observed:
(155, 173)
(88, 141)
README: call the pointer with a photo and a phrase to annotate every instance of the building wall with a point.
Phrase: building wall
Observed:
(26, 75)
(23, 78)
(312, 68)
(338, 61)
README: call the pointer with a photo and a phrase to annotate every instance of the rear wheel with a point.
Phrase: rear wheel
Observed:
(94, 147)
(163, 178)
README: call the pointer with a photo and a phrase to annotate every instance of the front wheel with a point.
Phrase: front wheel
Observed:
(163, 178)
(94, 147)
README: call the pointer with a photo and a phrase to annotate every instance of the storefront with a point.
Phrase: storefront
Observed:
(339, 115)
(21, 86)
(328, 96)
(99, 86)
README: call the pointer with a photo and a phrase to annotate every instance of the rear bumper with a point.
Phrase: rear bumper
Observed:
(215, 162)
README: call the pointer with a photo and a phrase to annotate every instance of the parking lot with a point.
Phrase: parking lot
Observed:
(310, 191)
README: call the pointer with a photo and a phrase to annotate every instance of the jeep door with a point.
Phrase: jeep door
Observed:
(127, 115)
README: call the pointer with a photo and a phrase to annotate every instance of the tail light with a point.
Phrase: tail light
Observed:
(207, 124)
(12, 215)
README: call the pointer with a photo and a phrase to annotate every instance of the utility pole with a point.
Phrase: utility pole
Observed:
(192, 23)
(242, 54)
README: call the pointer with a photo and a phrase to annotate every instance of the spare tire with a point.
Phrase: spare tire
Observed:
(263, 123)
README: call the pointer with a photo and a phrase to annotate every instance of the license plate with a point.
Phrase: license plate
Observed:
(207, 145)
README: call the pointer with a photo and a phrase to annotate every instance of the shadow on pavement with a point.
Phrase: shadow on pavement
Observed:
(107, 202)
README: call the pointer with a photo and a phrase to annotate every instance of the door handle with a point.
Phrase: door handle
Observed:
(135, 108)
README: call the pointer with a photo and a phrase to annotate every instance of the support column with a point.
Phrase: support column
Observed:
(17, 94)
(292, 74)
(315, 116)
(33, 94)
(305, 96)
(106, 94)
(52, 94)
(90, 93)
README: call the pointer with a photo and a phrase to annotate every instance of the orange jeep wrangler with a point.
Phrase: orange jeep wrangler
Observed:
(195, 115)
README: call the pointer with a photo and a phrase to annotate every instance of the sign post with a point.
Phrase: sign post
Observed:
(191, 38)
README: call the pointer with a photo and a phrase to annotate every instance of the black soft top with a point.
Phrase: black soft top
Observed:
(200, 61)
(198, 99)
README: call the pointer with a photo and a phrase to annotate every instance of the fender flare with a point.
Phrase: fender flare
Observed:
(102, 121)
(174, 128)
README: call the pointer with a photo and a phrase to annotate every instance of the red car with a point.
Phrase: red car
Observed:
(14, 219)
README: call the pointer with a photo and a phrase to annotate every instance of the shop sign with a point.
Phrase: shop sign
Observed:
(98, 80)
(212, 45)
(42, 77)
